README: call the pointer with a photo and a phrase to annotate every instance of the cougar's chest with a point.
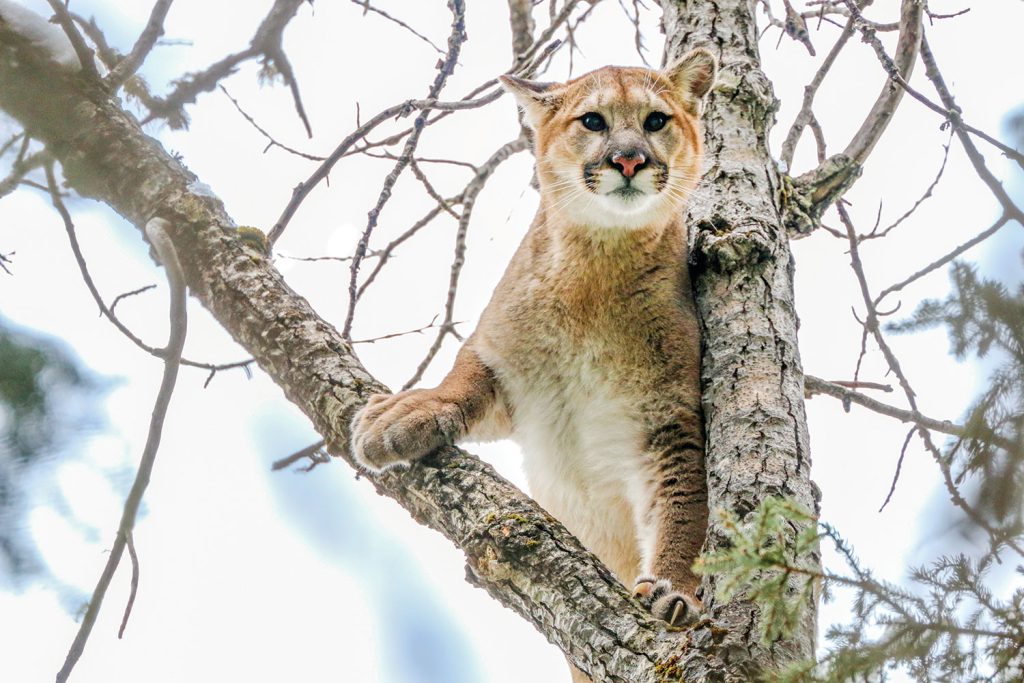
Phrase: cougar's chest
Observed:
(572, 381)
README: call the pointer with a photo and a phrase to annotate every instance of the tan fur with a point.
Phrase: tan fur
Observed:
(588, 354)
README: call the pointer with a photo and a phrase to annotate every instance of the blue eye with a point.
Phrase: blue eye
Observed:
(655, 121)
(593, 121)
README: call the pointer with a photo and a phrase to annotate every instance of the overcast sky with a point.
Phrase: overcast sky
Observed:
(253, 575)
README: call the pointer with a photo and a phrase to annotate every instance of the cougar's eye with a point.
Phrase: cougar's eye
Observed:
(655, 121)
(593, 121)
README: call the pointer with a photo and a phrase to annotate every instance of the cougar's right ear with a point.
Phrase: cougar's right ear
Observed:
(536, 99)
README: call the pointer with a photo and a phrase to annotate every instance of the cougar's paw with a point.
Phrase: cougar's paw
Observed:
(391, 430)
(678, 609)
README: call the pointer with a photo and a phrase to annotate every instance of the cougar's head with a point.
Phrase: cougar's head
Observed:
(618, 147)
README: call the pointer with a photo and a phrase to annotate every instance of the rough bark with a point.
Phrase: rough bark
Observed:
(752, 379)
(756, 432)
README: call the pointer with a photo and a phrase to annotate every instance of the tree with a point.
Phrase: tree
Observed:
(758, 451)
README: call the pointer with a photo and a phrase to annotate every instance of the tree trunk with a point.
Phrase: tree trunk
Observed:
(757, 445)
(757, 440)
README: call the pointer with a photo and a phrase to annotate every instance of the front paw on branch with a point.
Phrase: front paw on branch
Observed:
(393, 430)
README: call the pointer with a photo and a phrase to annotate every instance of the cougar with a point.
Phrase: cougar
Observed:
(588, 354)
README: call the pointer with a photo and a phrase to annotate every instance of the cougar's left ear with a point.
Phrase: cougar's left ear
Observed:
(536, 99)
(693, 74)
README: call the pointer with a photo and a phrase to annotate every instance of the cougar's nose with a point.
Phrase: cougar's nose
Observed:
(628, 162)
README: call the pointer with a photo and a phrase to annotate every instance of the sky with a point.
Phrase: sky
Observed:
(252, 575)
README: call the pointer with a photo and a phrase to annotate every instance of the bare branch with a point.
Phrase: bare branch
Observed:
(266, 42)
(899, 467)
(468, 200)
(303, 189)
(130, 543)
(950, 112)
(874, 234)
(156, 230)
(520, 18)
(134, 292)
(963, 132)
(429, 187)
(147, 39)
(445, 67)
(885, 105)
(84, 53)
(367, 7)
(419, 330)
(806, 113)
(271, 141)
(938, 263)
(313, 452)
(998, 536)
(108, 313)
(816, 385)
(21, 167)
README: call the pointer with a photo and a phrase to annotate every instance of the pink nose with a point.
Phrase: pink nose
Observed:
(628, 164)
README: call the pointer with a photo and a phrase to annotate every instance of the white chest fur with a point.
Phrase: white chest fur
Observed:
(583, 454)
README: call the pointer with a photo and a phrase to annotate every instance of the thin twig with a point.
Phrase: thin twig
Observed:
(107, 312)
(271, 141)
(816, 385)
(156, 230)
(948, 110)
(365, 4)
(340, 259)
(134, 292)
(445, 68)
(899, 467)
(303, 189)
(147, 39)
(806, 113)
(130, 542)
(469, 199)
(997, 536)
(874, 234)
(938, 263)
(964, 131)
(432, 324)
(429, 187)
(312, 451)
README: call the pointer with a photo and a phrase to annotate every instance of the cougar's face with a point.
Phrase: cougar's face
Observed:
(618, 147)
